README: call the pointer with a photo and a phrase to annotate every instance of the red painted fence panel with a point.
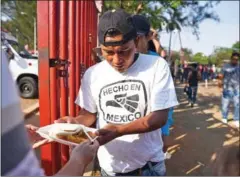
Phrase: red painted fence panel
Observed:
(67, 31)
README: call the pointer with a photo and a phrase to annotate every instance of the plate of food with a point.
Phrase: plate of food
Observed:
(68, 134)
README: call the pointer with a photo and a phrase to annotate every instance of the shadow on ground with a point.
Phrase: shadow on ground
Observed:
(197, 135)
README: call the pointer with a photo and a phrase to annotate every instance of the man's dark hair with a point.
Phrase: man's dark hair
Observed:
(151, 46)
(195, 65)
(235, 54)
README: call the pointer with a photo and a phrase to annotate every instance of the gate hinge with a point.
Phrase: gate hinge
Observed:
(56, 62)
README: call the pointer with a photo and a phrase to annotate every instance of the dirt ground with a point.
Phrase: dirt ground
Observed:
(25, 103)
(196, 136)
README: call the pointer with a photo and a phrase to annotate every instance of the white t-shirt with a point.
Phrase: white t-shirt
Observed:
(120, 98)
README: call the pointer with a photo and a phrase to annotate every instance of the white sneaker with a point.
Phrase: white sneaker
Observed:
(167, 155)
(224, 121)
(236, 123)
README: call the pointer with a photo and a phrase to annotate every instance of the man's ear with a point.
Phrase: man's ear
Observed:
(136, 41)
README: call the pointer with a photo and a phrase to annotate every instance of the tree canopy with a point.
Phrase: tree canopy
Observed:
(236, 46)
(20, 19)
(200, 58)
(220, 54)
(163, 14)
(169, 14)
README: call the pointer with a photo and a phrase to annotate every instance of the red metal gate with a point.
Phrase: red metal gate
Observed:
(67, 31)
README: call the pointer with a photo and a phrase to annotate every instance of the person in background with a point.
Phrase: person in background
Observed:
(17, 156)
(151, 46)
(10, 54)
(185, 71)
(181, 70)
(230, 76)
(193, 78)
(205, 75)
(214, 72)
(95, 57)
(142, 26)
(219, 80)
(200, 69)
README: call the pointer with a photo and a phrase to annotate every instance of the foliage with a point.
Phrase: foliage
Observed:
(220, 54)
(169, 14)
(20, 19)
(236, 46)
(175, 55)
(187, 53)
(200, 58)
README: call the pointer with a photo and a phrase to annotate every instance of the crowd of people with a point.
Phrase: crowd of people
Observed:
(228, 77)
(208, 72)
(130, 93)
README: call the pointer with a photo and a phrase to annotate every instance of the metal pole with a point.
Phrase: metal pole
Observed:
(180, 39)
(44, 77)
(85, 35)
(63, 54)
(35, 36)
(54, 99)
(169, 48)
(72, 56)
(77, 41)
(17, 34)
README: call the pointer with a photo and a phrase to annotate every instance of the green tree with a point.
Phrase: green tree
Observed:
(220, 54)
(236, 46)
(169, 14)
(187, 53)
(20, 19)
(175, 55)
(200, 58)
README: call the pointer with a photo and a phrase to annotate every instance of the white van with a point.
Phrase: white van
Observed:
(23, 66)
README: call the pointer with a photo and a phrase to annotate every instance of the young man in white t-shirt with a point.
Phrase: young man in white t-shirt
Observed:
(131, 96)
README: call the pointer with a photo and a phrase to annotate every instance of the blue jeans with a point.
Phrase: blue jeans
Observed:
(227, 97)
(157, 170)
(204, 76)
(192, 94)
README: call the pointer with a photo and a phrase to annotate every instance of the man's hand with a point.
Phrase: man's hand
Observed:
(108, 133)
(67, 119)
(35, 138)
(84, 153)
(151, 122)
(80, 157)
(154, 34)
(85, 118)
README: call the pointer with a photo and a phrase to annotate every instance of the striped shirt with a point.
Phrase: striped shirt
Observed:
(17, 156)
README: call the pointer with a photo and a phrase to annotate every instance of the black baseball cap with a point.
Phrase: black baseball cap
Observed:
(119, 20)
(141, 24)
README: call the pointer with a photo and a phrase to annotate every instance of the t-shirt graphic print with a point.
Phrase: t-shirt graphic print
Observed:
(122, 98)
(123, 101)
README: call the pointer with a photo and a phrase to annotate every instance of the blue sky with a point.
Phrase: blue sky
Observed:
(212, 33)
(224, 33)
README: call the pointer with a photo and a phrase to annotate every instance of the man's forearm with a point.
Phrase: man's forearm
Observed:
(86, 118)
(151, 122)
(157, 46)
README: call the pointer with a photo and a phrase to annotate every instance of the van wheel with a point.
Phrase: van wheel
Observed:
(28, 87)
